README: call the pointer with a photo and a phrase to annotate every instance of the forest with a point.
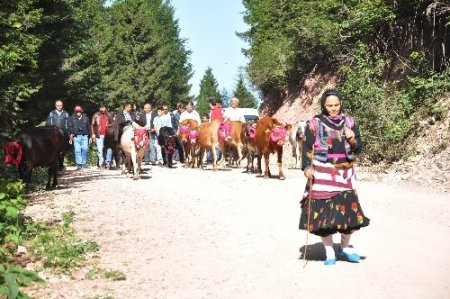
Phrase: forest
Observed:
(391, 58)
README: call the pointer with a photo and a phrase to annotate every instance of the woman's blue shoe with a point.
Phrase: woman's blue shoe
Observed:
(330, 262)
(351, 257)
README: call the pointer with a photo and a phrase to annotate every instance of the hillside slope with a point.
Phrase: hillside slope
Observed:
(428, 143)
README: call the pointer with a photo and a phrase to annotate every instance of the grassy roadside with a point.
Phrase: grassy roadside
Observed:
(52, 246)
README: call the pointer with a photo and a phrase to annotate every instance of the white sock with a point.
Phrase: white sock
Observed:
(328, 244)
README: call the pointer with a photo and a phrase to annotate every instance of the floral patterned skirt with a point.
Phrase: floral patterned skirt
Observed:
(341, 213)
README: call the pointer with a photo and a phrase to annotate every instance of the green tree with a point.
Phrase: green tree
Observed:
(209, 88)
(226, 98)
(147, 59)
(19, 58)
(60, 31)
(246, 98)
(85, 63)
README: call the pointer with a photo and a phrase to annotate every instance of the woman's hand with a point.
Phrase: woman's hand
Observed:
(309, 173)
(350, 135)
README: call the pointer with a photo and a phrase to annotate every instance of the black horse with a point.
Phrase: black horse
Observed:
(36, 147)
(168, 140)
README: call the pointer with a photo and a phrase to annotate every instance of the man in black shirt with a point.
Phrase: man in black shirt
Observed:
(80, 132)
(59, 117)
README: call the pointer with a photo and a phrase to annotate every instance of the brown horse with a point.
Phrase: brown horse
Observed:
(188, 134)
(248, 137)
(209, 140)
(270, 138)
(232, 146)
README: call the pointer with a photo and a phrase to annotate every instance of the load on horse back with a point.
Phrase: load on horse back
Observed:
(133, 142)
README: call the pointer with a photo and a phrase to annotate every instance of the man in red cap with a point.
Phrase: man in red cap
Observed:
(80, 132)
(100, 121)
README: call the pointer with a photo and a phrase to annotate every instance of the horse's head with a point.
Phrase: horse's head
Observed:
(184, 133)
(278, 134)
(170, 143)
(300, 134)
(224, 132)
(193, 136)
(140, 138)
(251, 131)
(13, 153)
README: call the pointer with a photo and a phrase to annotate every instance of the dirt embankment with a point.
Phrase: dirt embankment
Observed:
(430, 139)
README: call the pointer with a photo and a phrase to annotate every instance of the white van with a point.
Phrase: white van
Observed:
(249, 113)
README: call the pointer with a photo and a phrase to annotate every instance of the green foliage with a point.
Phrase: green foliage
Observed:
(84, 53)
(12, 231)
(390, 55)
(246, 98)
(11, 204)
(147, 61)
(209, 88)
(19, 58)
(225, 98)
(60, 248)
(12, 278)
(380, 115)
(114, 275)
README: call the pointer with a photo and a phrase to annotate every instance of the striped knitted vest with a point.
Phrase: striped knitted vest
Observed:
(321, 147)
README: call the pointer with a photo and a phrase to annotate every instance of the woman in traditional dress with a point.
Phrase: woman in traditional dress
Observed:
(332, 140)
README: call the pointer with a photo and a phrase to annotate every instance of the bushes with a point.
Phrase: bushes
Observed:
(386, 111)
(56, 244)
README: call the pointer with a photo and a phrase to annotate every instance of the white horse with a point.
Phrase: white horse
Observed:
(296, 138)
(133, 144)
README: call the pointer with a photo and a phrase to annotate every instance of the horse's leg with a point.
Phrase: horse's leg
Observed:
(223, 159)
(266, 160)
(49, 178)
(280, 162)
(201, 157)
(258, 165)
(136, 175)
(214, 156)
(239, 147)
(170, 159)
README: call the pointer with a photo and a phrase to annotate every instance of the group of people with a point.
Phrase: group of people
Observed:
(330, 203)
(80, 131)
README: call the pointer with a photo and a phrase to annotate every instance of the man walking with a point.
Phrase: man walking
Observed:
(80, 130)
(60, 118)
(166, 121)
(146, 119)
(100, 121)
(190, 113)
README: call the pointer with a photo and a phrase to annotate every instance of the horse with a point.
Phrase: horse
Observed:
(133, 143)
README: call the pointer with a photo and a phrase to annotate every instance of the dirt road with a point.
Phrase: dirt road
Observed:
(182, 233)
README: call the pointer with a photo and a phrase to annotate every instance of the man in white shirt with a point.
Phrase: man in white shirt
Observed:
(190, 113)
(166, 117)
(166, 121)
(233, 113)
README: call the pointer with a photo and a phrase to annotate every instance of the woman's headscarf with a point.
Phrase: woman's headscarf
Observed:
(323, 99)
(336, 122)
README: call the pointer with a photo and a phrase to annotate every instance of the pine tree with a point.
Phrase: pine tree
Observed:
(226, 98)
(209, 88)
(147, 59)
(246, 98)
